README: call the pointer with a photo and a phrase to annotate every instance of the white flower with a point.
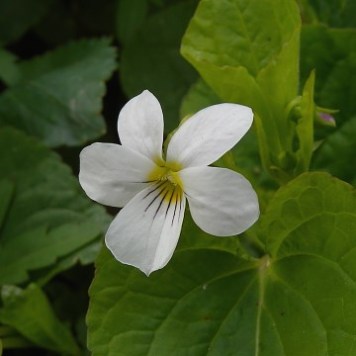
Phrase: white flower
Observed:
(153, 189)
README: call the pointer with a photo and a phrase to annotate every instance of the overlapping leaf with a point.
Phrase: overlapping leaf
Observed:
(242, 54)
(337, 152)
(58, 95)
(44, 215)
(252, 59)
(296, 300)
(332, 53)
(151, 60)
(29, 311)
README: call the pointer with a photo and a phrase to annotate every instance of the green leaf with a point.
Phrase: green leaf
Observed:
(83, 255)
(29, 311)
(332, 53)
(198, 97)
(340, 88)
(17, 16)
(245, 156)
(235, 46)
(58, 98)
(305, 127)
(131, 14)
(151, 60)
(337, 152)
(243, 55)
(336, 13)
(192, 237)
(9, 72)
(298, 299)
(6, 194)
(48, 216)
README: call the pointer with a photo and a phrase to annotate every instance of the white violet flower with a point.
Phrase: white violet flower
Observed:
(153, 189)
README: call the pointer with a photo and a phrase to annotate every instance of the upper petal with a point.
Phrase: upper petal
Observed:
(222, 202)
(145, 232)
(208, 134)
(140, 125)
(112, 174)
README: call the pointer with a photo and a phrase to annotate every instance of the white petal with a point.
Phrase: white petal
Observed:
(208, 134)
(140, 125)
(145, 232)
(112, 174)
(222, 202)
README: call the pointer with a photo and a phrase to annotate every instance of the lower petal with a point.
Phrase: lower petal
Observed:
(146, 231)
(221, 201)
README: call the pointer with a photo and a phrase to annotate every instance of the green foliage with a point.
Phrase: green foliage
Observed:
(131, 15)
(58, 95)
(44, 214)
(17, 16)
(336, 13)
(244, 157)
(332, 52)
(29, 311)
(243, 44)
(68, 20)
(9, 72)
(305, 125)
(237, 307)
(6, 193)
(337, 153)
(245, 55)
(198, 97)
(194, 238)
(285, 287)
(151, 60)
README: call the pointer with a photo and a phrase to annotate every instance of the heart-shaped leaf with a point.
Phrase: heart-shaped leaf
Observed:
(297, 299)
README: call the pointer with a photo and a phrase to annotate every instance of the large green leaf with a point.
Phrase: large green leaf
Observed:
(58, 96)
(151, 60)
(252, 59)
(297, 299)
(29, 311)
(242, 53)
(47, 216)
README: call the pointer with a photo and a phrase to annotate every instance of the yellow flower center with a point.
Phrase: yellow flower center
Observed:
(167, 174)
